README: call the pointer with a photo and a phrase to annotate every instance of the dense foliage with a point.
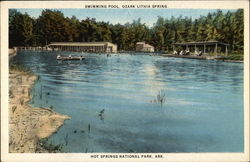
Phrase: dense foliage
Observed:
(53, 26)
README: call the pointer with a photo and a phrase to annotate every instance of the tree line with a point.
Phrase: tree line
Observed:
(53, 26)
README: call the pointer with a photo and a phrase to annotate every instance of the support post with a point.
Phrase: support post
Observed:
(226, 50)
(216, 46)
(195, 49)
(204, 49)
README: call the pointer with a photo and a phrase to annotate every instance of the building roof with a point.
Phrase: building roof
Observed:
(201, 43)
(140, 43)
(81, 44)
(148, 46)
(144, 45)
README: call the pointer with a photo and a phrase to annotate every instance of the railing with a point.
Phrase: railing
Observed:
(32, 49)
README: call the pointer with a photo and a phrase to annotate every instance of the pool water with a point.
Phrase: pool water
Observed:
(113, 105)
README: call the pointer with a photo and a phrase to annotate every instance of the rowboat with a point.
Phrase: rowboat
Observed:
(69, 58)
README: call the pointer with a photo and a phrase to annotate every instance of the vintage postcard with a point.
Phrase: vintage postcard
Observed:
(125, 81)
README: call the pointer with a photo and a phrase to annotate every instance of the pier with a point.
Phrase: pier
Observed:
(194, 57)
(32, 48)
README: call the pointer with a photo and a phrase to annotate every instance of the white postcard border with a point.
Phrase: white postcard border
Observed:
(87, 156)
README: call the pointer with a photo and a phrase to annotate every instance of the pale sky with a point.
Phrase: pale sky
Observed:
(122, 16)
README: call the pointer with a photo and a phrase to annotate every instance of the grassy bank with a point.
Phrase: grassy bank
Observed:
(20, 69)
(235, 56)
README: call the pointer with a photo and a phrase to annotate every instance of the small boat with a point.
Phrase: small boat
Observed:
(69, 58)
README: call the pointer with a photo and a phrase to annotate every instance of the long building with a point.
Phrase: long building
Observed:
(96, 47)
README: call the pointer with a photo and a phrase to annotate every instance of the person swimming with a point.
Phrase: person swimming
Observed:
(58, 57)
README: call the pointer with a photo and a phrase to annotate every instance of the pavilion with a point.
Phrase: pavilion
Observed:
(204, 46)
(98, 47)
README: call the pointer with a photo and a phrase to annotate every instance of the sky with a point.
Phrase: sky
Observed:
(122, 16)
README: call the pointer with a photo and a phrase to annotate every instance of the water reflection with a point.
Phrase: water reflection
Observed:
(201, 71)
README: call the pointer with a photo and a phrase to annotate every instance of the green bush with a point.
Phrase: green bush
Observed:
(50, 147)
(20, 68)
(235, 57)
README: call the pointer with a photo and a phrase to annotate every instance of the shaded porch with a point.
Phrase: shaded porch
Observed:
(204, 48)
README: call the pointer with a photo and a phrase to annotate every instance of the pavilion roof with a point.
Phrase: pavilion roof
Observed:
(81, 44)
(201, 43)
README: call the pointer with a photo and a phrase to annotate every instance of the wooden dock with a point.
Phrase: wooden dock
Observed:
(193, 56)
(32, 49)
(219, 58)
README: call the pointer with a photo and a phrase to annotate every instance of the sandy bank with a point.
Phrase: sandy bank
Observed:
(12, 53)
(27, 124)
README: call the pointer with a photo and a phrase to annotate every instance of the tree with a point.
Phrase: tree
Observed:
(52, 26)
(238, 30)
(20, 29)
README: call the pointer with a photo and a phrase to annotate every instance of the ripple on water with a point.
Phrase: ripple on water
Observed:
(203, 111)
